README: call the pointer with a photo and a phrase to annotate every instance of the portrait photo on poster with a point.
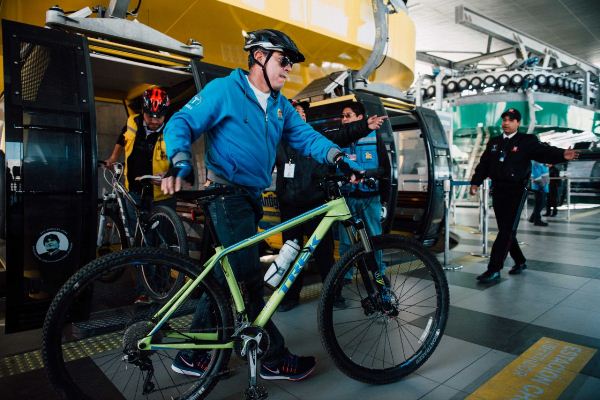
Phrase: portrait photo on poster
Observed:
(52, 245)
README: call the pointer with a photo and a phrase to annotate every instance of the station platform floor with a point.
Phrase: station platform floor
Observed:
(530, 336)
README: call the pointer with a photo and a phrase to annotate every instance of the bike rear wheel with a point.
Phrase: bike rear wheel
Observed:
(91, 326)
(165, 231)
(379, 339)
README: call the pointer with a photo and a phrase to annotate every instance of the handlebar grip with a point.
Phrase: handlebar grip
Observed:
(375, 173)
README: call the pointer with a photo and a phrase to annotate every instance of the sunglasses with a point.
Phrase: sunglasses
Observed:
(285, 61)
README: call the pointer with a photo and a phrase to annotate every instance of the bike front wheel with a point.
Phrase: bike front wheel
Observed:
(112, 238)
(91, 331)
(382, 337)
(165, 231)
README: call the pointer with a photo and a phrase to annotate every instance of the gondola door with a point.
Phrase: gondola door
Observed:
(50, 159)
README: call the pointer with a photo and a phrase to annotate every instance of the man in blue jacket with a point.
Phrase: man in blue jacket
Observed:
(244, 118)
(540, 176)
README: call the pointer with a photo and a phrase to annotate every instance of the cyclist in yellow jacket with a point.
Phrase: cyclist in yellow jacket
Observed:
(145, 154)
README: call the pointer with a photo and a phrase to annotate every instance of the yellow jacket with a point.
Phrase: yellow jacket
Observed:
(160, 162)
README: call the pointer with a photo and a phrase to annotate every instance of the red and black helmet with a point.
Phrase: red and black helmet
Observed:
(155, 102)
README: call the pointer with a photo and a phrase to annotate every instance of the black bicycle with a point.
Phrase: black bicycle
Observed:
(161, 228)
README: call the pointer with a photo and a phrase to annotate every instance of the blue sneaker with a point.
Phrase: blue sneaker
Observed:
(190, 362)
(290, 367)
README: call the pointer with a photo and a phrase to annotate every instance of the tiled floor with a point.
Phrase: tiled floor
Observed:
(489, 326)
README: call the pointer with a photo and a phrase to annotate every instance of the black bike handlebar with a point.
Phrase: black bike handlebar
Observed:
(203, 194)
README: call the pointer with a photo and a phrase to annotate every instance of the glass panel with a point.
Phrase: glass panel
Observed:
(52, 161)
(48, 75)
(63, 120)
(412, 161)
(438, 136)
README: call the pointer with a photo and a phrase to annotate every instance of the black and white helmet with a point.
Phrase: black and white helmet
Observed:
(271, 39)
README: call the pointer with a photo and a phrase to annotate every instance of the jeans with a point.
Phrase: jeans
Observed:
(235, 217)
(540, 200)
(368, 209)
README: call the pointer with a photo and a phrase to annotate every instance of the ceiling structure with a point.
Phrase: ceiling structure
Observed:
(570, 25)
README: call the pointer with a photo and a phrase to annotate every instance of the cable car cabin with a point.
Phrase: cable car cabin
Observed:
(68, 93)
(67, 97)
(423, 163)
(414, 154)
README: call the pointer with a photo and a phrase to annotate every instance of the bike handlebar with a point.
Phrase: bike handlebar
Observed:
(203, 194)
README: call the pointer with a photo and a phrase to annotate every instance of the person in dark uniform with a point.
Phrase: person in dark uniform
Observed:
(507, 161)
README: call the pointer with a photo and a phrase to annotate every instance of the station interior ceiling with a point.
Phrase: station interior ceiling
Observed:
(570, 25)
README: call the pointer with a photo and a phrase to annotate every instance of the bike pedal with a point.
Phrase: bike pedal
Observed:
(256, 393)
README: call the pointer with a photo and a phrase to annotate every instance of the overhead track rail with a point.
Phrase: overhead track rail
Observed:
(487, 26)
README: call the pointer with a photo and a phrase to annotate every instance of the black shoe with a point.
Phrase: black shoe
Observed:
(547, 214)
(290, 367)
(531, 219)
(481, 276)
(540, 223)
(489, 277)
(288, 305)
(517, 268)
(192, 363)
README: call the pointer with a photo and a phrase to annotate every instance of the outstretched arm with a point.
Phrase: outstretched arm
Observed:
(350, 133)
(546, 154)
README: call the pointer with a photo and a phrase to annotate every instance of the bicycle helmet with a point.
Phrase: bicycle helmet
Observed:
(271, 39)
(155, 102)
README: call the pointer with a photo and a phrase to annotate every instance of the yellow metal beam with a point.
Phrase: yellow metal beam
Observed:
(333, 34)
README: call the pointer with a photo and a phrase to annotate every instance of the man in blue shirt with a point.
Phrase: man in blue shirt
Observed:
(363, 200)
(540, 176)
(244, 117)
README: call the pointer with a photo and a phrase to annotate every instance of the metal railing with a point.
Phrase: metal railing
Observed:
(484, 207)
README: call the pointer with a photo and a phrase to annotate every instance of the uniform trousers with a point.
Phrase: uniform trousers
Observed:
(508, 204)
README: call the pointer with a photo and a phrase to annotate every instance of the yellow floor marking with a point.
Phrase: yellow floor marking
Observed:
(544, 371)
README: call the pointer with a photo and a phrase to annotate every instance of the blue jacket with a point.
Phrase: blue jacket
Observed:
(540, 174)
(364, 152)
(241, 139)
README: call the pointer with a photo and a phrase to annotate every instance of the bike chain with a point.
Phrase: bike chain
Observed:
(228, 372)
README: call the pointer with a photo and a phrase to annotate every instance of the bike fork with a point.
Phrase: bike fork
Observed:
(369, 265)
(101, 228)
(379, 295)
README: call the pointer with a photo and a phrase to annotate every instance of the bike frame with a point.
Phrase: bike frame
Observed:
(334, 210)
(120, 195)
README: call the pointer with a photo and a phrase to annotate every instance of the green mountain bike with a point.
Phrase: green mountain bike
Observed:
(99, 345)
